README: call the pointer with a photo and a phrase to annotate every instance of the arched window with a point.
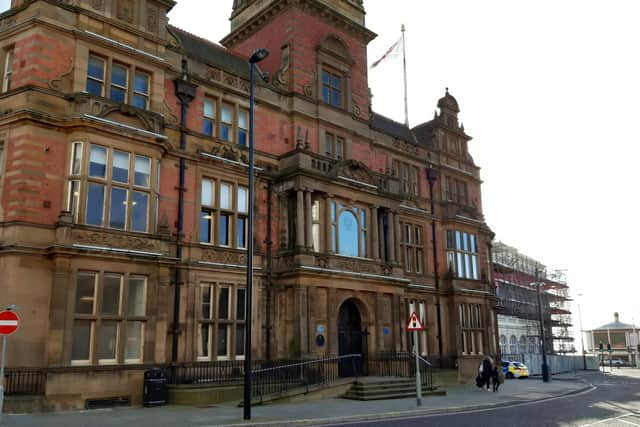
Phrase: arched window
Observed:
(532, 344)
(348, 230)
(504, 348)
(513, 344)
(522, 348)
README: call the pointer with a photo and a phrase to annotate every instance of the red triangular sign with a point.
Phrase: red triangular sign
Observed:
(414, 323)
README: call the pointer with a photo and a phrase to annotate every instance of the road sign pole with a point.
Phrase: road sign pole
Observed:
(4, 352)
(418, 382)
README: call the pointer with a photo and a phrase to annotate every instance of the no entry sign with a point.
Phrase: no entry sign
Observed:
(9, 322)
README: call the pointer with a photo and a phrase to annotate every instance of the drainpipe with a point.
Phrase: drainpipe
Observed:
(432, 177)
(185, 92)
(269, 244)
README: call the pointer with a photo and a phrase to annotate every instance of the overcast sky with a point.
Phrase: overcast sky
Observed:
(549, 90)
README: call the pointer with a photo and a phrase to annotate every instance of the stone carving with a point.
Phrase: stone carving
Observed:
(214, 74)
(405, 146)
(355, 170)
(224, 257)
(282, 75)
(229, 152)
(356, 266)
(356, 110)
(8, 23)
(152, 19)
(87, 104)
(125, 10)
(119, 241)
(64, 77)
(322, 261)
(229, 79)
(169, 116)
(309, 88)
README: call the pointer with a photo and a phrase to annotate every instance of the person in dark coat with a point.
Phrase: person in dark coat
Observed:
(486, 372)
(495, 376)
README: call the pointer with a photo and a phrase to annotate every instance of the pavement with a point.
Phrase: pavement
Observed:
(317, 412)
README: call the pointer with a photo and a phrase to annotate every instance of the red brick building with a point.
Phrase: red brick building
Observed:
(119, 267)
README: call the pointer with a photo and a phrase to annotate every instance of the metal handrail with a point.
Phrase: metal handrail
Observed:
(279, 379)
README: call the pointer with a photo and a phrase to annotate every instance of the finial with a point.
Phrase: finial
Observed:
(403, 29)
(447, 90)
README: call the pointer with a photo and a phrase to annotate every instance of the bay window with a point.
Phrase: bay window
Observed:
(114, 197)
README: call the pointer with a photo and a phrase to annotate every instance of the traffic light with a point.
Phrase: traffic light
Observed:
(600, 347)
(609, 347)
(638, 348)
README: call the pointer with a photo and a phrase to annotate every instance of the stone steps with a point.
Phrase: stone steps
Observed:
(392, 388)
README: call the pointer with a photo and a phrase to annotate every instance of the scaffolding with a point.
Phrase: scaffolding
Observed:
(516, 277)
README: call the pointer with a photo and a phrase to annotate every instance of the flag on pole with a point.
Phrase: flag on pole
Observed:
(394, 49)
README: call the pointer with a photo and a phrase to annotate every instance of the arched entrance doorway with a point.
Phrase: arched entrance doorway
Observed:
(351, 339)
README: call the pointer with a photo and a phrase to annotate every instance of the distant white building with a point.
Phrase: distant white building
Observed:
(623, 337)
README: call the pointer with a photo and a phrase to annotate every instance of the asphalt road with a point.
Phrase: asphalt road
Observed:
(614, 401)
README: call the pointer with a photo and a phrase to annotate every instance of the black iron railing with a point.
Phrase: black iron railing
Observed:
(279, 379)
(25, 381)
(220, 372)
(400, 364)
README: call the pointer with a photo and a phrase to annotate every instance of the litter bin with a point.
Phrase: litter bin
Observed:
(155, 391)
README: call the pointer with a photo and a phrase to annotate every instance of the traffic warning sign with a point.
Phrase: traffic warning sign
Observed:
(414, 323)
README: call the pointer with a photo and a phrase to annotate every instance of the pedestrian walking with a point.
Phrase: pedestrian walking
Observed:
(486, 371)
(495, 376)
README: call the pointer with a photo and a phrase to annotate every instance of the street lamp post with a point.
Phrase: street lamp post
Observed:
(257, 56)
(545, 367)
(584, 353)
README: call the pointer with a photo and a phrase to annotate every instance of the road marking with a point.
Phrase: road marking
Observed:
(609, 419)
(629, 422)
(330, 422)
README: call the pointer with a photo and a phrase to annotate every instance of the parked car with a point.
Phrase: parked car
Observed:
(618, 362)
(513, 369)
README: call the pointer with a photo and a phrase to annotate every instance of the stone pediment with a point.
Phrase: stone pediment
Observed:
(353, 170)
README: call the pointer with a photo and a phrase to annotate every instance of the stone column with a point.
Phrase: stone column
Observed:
(328, 241)
(391, 232)
(383, 255)
(308, 219)
(375, 244)
(332, 335)
(300, 219)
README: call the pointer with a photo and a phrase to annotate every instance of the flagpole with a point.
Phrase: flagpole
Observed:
(404, 61)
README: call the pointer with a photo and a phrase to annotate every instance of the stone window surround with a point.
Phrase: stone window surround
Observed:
(471, 328)
(7, 53)
(213, 322)
(96, 318)
(77, 206)
(237, 107)
(322, 134)
(215, 209)
(109, 59)
(337, 64)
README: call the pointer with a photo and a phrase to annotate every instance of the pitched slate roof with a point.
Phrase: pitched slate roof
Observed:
(391, 127)
(424, 132)
(210, 53)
